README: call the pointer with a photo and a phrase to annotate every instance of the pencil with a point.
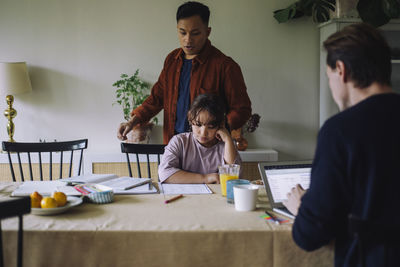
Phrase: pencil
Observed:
(173, 199)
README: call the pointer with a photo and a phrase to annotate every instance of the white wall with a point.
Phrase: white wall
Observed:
(76, 49)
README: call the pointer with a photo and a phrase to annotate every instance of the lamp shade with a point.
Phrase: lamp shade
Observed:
(14, 78)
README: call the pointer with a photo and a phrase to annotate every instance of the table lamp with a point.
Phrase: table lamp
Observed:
(14, 79)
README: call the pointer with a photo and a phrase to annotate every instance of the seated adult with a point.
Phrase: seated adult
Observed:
(357, 162)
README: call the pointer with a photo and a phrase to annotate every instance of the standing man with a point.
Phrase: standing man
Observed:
(195, 68)
(356, 169)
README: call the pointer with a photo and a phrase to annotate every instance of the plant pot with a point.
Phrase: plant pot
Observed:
(242, 144)
(239, 140)
(140, 134)
(345, 9)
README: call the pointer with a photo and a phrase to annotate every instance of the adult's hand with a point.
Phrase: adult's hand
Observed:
(293, 200)
(126, 127)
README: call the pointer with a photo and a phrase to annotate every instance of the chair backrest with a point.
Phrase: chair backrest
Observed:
(369, 232)
(142, 149)
(39, 148)
(12, 208)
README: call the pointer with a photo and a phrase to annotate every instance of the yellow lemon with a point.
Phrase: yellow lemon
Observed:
(48, 203)
(60, 198)
(35, 199)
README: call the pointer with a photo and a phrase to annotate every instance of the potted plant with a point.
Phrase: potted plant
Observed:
(376, 13)
(130, 92)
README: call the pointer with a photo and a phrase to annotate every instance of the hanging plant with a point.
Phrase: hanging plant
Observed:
(374, 12)
(317, 9)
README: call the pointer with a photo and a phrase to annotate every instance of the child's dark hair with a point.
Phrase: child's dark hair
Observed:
(192, 8)
(213, 104)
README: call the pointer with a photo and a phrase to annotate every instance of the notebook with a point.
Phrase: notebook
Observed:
(280, 177)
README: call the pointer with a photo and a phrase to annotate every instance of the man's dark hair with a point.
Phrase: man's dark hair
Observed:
(211, 103)
(192, 8)
(364, 52)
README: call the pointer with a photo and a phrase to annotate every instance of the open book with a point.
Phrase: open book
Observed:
(110, 180)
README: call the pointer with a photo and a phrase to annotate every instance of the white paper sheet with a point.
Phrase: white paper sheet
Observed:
(185, 189)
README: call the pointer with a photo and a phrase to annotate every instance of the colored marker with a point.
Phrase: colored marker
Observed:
(173, 199)
(273, 217)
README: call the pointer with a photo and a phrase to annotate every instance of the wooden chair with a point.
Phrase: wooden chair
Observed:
(142, 149)
(368, 232)
(28, 148)
(12, 208)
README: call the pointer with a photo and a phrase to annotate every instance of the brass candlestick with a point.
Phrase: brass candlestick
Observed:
(10, 114)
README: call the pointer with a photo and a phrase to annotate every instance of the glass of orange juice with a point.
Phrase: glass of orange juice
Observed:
(227, 172)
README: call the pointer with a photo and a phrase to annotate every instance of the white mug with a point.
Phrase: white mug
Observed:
(245, 197)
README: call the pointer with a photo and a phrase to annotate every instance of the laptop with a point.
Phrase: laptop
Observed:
(280, 177)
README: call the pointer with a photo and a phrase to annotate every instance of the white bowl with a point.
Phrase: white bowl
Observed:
(106, 194)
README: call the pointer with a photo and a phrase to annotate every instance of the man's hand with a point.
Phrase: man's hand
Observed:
(126, 127)
(294, 199)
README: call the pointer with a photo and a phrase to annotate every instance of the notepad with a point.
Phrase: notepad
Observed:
(138, 190)
(125, 183)
(185, 189)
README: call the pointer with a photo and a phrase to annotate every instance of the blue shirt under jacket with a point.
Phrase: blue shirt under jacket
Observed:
(182, 106)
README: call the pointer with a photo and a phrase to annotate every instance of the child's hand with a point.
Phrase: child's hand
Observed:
(211, 178)
(223, 134)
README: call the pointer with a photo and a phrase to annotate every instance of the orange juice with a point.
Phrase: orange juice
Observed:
(223, 177)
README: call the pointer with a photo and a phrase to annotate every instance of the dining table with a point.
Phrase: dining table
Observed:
(142, 230)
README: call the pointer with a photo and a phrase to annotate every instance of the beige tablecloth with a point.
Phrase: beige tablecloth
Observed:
(140, 230)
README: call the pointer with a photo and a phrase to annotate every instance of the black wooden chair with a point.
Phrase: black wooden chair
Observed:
(51, 147)
(12, 208)
(142, 149)
(369, 233)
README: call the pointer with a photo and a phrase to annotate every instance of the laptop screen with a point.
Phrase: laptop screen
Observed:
(280, 179)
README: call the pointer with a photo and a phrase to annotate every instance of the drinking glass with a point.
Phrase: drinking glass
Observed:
(227, 172)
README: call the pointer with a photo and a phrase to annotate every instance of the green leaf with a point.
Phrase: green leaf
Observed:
(283, 15)
(318, 9)
(130, 92)
(320, 14)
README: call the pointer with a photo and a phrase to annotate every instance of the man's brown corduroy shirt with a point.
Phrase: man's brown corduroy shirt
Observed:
(212, 72)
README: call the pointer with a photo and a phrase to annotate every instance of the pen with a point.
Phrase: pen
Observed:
(273, 217)
(173, 199)
(137, 185)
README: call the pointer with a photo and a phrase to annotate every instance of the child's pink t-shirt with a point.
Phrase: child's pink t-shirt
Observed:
(184, 152)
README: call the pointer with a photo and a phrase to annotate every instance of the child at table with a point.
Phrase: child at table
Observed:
(194, 157)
